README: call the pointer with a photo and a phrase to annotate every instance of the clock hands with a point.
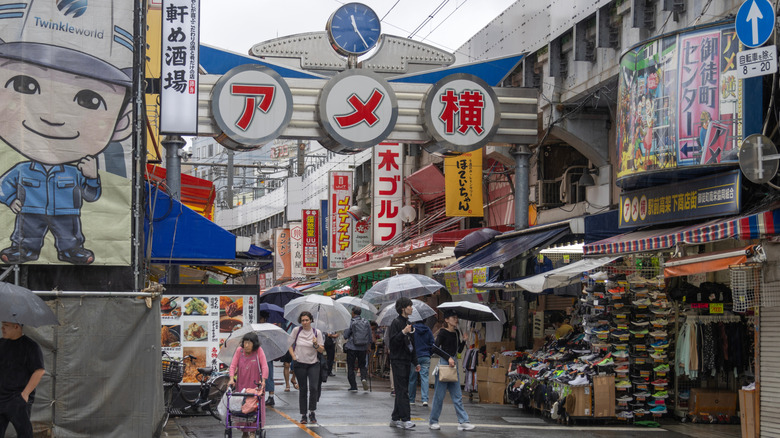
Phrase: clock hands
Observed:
(354, 26)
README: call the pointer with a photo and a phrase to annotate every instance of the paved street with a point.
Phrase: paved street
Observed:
(341, 413)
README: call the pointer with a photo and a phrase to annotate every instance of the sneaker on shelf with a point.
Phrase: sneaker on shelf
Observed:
(620, 354)
(660, 311)
(639, 290)
(466, 426)
(625, 414)
(660, 322)
(663, 368)
(658, 333)
(617, 290)
(621, 369)
(660, 344)
(640, 323)
(660, 382)
(640, 411)
(434, 426)
(598, 276)
(624, 399)
(661, 394)
(642, 394)
(581, 380)
(659, 409)
(623, 384)
(641, 302)
(658, 356)
(607, 361)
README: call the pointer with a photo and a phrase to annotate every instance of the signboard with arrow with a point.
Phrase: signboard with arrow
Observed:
(755, 22)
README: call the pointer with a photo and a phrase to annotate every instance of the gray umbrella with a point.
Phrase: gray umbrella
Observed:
(403, 285)
(273, 340)
(22, 306)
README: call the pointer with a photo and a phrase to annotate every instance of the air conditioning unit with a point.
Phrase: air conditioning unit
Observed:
(548, 193)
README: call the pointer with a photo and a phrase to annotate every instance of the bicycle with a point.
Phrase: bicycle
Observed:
(213, 385)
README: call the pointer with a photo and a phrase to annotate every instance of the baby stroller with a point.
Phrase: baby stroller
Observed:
(235, 418)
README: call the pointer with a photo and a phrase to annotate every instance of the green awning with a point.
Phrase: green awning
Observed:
(329, 285)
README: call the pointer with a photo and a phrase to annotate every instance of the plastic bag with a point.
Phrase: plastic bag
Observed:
(235, 404)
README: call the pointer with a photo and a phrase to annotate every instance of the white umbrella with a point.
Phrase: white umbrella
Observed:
(273, 340)
(470, 311)
(329, 316)
(420, 311)
(403, 285)
(358, 302)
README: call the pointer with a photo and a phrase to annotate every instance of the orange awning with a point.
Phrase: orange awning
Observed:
(196, 193)
(710, 262)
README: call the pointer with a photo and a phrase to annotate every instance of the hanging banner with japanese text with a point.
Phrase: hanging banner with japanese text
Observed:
(180, 60)
(387, 171)
(311, 242)
(463, 183)
(340, 232)
(296, 249)
(282, 259)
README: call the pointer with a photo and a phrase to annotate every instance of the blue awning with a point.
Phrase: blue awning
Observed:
(176, 234)
(504, 250)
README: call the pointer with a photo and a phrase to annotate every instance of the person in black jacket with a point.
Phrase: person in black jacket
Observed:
(402, 354)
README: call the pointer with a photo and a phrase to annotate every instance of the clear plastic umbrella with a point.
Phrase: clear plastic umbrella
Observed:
(420, 311)
(358, 302)
(329, 316)
(273, 340)
(403, 285)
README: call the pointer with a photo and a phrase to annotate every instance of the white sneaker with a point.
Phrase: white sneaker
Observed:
(407, 424)
(466, 426)
(434, 426)
(396, 423)
(425, 404)
(365, 384)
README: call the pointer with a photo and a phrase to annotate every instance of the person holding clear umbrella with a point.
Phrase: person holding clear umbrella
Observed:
(307, 343)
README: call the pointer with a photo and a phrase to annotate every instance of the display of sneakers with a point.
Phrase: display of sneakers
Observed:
(640, 323)
(617, 290)
(660, 322)
(620, 354)
(658, 356)
(621, 369)
(661, 394)
(658, 333)
(580, 380)
(663, 368)
(641, 411)
(625, 414)
(642, 394)
(660, 311)
(641, 302)
(660, 382)
(624, 399)
(639, 332)
(607, 361)
(623, 384)
(660, 344)
(659, 409)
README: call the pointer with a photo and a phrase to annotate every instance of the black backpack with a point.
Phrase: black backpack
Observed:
(361, 333)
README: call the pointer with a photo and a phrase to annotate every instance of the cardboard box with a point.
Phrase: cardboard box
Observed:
(496, 375)
(748, 413)
(504, 361)
(582, 404)
(492, 347)
(713, 402)
(603, 396)
(482, 391)
(482, 374)
(495, 392)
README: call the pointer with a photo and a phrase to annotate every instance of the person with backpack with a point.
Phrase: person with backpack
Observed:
(423, 342)
(359, 339)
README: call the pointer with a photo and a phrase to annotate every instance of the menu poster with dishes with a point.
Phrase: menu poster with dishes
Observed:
(199, 325)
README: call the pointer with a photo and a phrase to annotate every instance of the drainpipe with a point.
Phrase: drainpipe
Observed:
(521, 154)
(173, 145)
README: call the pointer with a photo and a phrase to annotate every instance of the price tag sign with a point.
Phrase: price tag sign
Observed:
(566, 258)
(716, 307)
(757, 62)
(541, 258)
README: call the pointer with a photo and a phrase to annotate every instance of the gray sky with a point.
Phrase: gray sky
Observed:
(237, 25)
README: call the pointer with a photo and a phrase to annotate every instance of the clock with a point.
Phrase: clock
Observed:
(353, 29)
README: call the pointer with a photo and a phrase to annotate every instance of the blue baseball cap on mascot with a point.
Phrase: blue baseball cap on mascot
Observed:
(92, 38)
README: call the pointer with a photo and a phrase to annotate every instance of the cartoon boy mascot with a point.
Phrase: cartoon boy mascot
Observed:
(65, 78)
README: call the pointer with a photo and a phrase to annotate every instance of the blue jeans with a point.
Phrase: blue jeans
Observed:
(269, 379)
(425, 364)
(455, 394)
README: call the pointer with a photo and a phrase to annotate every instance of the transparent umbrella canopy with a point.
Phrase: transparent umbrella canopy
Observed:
(403, 285)
(420, 311)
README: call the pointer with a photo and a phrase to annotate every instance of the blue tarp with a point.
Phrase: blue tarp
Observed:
(179, 235)
(501, 251)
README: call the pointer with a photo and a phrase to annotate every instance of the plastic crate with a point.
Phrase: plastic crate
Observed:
(173, 371)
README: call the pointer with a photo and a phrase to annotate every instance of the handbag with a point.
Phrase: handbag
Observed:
(447, 373)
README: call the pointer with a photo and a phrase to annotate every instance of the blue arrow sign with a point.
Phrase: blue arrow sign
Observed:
(755, 22)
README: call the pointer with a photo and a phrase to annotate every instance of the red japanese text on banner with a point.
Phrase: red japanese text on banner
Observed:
(387, 169)
(340, 232)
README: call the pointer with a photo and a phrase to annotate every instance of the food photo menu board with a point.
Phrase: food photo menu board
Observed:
(199, 325)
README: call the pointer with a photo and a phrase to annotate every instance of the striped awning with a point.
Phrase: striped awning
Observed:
(746, 227)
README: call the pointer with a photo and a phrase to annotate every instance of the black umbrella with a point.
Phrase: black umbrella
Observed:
(474, 240)
(22, 306)
(279, 295)
(275, 313)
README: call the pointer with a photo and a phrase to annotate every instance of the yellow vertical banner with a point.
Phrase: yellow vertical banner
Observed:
(463, 181)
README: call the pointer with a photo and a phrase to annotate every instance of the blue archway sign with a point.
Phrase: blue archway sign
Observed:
(755, 22)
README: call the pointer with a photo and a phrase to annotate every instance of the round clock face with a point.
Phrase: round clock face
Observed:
(353, 29)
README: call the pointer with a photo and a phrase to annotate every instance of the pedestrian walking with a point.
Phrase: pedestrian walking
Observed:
(423, 343)
(21, 362)
(359, 338)
(402, 354)
(448, 344)
(306, 365)
(248, 368)
(286, 361)
(330, 351)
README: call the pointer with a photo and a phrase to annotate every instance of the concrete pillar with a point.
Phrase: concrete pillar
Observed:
(522, 173)
(173, 145)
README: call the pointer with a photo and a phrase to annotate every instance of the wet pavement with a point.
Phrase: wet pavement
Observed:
(367, 414)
